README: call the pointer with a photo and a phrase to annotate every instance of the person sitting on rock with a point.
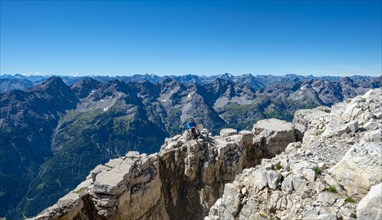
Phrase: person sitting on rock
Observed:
(193, 128)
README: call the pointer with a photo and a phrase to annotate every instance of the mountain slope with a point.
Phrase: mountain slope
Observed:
(54, 131)
(27, 123)
(112, 123)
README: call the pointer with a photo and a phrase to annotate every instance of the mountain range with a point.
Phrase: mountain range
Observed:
(53, 131)
(23, 82)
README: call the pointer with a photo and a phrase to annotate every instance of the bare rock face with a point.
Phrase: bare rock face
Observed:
(193, 175)
(123, 188)
(182, 181)
(360, 168)
(370, 207)
(324, 177)
(275, 134)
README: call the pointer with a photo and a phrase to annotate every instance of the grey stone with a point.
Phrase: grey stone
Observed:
(249, 208)
(327, 217)
(309, 175)
(378, 114)
(327, 198)
(372, 136)
(343, 130)
(371, 126)
(353, 125)
(98, 169)
(360, 168)
(287, 184)
(370, 207)
(260, 179)
(226, 132)
(132, 154)
(247, 137)
(273, 179)
(277, 134)
(347, 213)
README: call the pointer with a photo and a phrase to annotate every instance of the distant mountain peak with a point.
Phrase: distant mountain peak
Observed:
(85, 86)
(54, 82)
(227, 76)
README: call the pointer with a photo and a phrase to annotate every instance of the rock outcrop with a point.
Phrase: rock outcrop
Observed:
(370, 207)
(182, 181)
(326, 162)
(360, 168)
(274, 132)
(324, 177)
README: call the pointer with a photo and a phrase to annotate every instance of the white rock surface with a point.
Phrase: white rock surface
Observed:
(277, 134)
(338, 160)
(370, 207)
(360, 168)
(228, 132)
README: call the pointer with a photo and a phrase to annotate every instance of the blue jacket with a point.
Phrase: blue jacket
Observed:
(190, 125)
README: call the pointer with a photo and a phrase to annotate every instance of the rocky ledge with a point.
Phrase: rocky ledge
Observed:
(271, 172)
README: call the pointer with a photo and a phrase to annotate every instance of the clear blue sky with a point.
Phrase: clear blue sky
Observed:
(181, 37)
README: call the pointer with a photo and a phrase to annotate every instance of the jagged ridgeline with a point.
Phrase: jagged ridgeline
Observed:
(325, 165)
(54, 133)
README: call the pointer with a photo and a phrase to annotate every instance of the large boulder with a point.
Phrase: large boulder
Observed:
(363, 108)
(370, 207)
(360, 168)
(227, 132)
(124, 188)
(274, 134)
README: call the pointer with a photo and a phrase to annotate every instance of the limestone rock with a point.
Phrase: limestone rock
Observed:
(227, 132)
(276, 133)
(327, 197)
(140, 186)
(370, 207)
(360, 168)
(71, 204)
(372, 136)
(327, 217)
(337, 154)
(293, 146)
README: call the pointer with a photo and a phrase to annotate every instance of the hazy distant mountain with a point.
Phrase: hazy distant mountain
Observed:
(256, 82)
(9, 84)
(54, 130)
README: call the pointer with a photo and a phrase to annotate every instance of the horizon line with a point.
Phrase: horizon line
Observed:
(187, 74)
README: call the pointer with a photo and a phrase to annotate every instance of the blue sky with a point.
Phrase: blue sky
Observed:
(191, 37)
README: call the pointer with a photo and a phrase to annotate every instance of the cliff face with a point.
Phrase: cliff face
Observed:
(271, 172)
(182, 181)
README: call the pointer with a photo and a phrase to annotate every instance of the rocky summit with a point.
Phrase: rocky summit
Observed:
(326, 176)
(327, 164)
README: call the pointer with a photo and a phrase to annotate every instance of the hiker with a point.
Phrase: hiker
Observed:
(193, 128)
